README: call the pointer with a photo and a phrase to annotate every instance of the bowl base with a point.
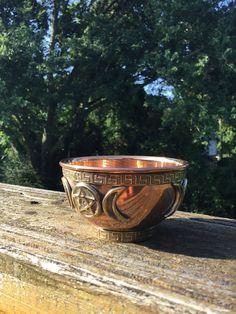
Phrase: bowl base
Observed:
(126, 236)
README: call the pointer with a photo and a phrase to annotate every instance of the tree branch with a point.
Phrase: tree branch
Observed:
(54, 25)
(109, 7)
(28, 139)
(67, 136)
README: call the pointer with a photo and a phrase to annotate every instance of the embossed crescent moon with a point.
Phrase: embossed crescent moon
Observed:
(179, 189)
(68, 191)
(109, 204)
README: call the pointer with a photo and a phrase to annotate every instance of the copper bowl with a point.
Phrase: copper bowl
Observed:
(126, 196)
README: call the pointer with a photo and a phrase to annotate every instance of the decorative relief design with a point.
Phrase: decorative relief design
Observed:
(179, 189)
(68, 191)
(86, 200)
(124, 178)
(109, 204)
(126, 236)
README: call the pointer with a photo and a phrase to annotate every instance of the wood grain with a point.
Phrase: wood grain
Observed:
(51, 261)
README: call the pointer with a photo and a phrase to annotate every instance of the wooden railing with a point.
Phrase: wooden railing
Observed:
(52, 262)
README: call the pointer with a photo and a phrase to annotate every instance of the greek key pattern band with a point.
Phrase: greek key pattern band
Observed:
(126, 236)
(127, 179)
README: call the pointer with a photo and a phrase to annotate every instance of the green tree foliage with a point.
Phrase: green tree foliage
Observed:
(72, 78)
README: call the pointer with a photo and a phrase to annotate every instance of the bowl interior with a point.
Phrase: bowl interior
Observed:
(124, 163)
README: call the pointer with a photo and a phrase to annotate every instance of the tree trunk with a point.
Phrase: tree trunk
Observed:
(49, 130)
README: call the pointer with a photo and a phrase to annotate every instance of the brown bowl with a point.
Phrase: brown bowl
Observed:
(126, 196)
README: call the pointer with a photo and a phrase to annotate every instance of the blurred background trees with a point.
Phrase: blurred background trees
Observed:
(137, 77)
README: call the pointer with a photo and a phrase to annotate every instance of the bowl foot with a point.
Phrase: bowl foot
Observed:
(127, 236)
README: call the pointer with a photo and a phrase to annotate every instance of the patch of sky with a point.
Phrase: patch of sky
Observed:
(225, 3)
(158, 87)
(77, 1)
(69, 69)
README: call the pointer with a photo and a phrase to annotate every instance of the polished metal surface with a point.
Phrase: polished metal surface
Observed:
(123, 163)
(126, 196)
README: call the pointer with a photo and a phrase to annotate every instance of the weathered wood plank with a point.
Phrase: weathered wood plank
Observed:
(52, 262)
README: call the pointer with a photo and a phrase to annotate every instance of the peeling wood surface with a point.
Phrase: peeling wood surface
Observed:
(52, 262)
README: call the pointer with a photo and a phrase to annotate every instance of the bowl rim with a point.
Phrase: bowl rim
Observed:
(68, 164)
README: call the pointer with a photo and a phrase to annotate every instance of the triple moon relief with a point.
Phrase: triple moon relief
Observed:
(89, 202)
